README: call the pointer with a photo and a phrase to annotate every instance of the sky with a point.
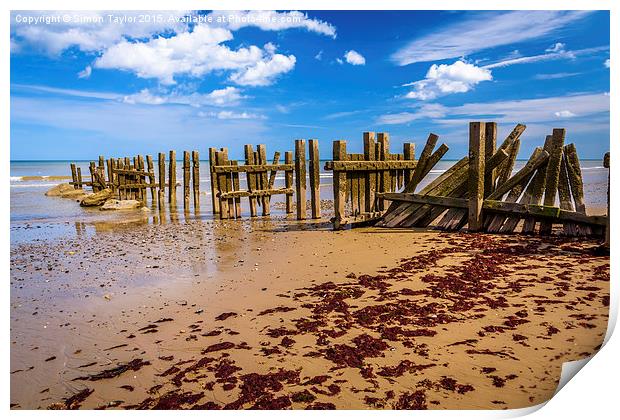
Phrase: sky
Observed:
(125, 83)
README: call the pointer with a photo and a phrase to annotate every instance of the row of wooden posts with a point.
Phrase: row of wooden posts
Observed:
(127, 178)
(260, 180)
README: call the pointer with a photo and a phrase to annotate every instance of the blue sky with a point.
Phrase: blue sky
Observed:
(92, 83)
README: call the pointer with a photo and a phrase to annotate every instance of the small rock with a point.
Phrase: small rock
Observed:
(114, 204)
(96, 199)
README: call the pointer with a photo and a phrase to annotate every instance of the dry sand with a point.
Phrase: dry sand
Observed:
(276, 314)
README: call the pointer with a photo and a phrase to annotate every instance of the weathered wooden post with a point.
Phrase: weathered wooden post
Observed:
(383, 139)
(236, 187)
(607, 242)
(74, 176)
(186, 179)
(196, 177)
(151, 170)
(93, 182)
(340, 183)
(215, 202)
(476, 175)
(371, 176)
(250, 178)
(300, 178)
(221, 158)
(552, 176)
(315, 178)
(161, 163)
(172, 179)
(288, 181)
(262, 160)
(490, 144)
(408, 155)
(110, 162)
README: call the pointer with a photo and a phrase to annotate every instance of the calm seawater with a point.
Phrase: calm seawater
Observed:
(36, 217)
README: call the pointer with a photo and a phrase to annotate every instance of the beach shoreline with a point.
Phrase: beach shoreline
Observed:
(85, 305)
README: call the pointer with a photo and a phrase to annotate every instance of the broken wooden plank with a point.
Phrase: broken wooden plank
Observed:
(476, 175)
(552, 176)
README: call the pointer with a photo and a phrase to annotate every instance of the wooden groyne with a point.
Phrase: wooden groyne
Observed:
(481, 191)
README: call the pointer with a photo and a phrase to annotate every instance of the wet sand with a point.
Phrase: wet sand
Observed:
(277, 314)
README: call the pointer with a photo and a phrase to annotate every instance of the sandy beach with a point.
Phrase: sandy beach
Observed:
(281, 314)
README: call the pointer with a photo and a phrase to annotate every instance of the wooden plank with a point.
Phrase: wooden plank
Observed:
(506, 169)
(365, 165)
(272, 174)
(138, 185)
(229, 183)
(552, 176)
(300, 178)
(251, 178)
(538, 158)
(370, 176)
(315, 178)
(461, 203)
(236, 187)
(497, 222)
(570, 229)
(221, 158)
(161, 163)
(490, 144)
(339, 184)
(150, 169)
(549, 213)
(476, 175)
(288, 181)
(256, 168)
(573, 167)
(256, 193)
(262, 156)
(534, 192)
(196, 177)
(409, 157)
(215, 203)
(172, 178)
(383, 140)
(361, 218)
(354, 189)
(423, 161)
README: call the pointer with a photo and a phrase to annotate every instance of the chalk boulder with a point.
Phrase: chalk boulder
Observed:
(113, 204)
(96, 199)
(65, 190)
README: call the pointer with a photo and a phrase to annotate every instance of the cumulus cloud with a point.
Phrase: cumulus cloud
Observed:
(354, 58)
(269, 20)
(606, 63)
(89, 31)
(195, 54)
(444, 79)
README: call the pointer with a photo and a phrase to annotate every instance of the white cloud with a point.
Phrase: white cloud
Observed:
(231, 115)
(550, 76)
(557, 47)
(354, 58)
(565, 114)
(482, 31)
(220, 97)
(89, 31)
(195, 54)
(85, 74)
(339, 61)
(269, 20)
(319, 55)
(445, 79)
(607, 63)
(587, 105)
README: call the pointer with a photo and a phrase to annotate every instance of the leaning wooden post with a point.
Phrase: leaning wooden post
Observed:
(172, 179)
(490, 144)
(552, 176)
(408, 155)
(300, 178)
(186, 179)
(315, 178)
(196, 177)
(607, 242)
(476, 175)
(340, 183)
(215, 202)
(92, 169)
(161, 163)
(288, 181)
(74, 176)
